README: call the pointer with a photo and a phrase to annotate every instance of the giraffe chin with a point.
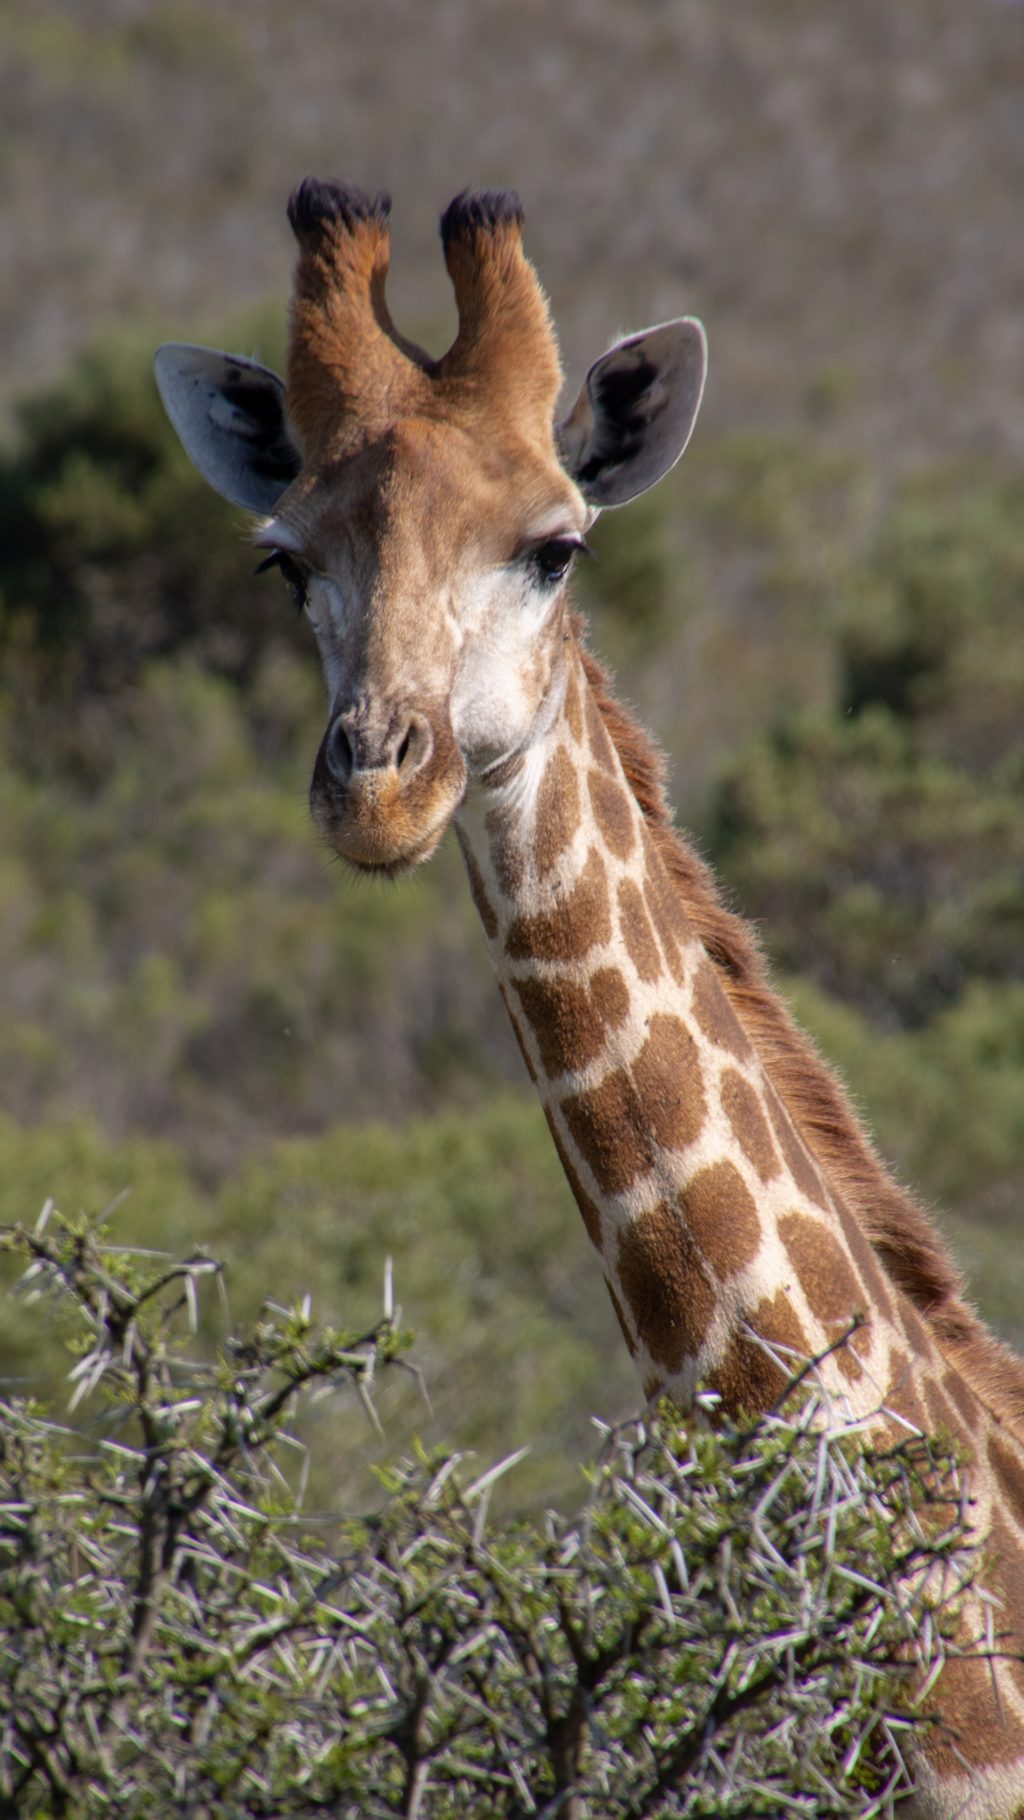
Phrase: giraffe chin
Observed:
(391, 867)
(380, 845)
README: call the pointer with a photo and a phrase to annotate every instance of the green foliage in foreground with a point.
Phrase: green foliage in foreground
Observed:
(515, 1331)
(716, 1634)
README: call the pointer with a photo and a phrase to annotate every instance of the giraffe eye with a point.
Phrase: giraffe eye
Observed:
(293, 574)
(551, 559)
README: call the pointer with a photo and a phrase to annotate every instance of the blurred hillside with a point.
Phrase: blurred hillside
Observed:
(836, 188)
(820, 613)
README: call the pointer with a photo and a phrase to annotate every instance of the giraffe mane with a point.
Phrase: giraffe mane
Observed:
(908, 1245)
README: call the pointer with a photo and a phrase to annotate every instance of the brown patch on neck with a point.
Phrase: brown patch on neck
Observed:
(742, 1108)
(637, 934)
(567, 1021)
(719, 1210)
(667, 1287)
(906, 1243)
(574, 703)
(1008, 1573)
(591, 1214)
(504, 771)
(977, 1731)
(1008, 1467)
(748, 1379)
(506, 857)
(620, 1316)
(558, 812)
(716, 1016)
(478, 890)
(608, 1128)
(612, 812)
(582, 920)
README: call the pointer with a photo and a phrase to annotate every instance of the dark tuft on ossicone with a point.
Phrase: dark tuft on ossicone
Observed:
(476, 211)
(314, 204)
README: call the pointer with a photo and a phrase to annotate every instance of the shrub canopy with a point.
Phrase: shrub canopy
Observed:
(728, 1627)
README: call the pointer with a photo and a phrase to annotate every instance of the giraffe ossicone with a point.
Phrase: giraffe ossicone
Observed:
(428, 512)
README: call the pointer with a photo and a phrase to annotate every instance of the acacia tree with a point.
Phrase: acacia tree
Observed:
(726, 1628)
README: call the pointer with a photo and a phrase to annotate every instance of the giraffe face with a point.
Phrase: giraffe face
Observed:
(426, 512)
(432, 564)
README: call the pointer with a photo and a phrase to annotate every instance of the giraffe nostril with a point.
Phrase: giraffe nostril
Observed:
(338, 752)
(351, 748)
(415, 745)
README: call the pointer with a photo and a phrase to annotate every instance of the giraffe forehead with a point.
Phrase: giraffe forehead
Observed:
(432, 497)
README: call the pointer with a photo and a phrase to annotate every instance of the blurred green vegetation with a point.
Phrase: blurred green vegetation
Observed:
(312, 1074)
(881, 837)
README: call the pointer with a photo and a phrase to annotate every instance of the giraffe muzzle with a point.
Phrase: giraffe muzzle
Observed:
(385, 787)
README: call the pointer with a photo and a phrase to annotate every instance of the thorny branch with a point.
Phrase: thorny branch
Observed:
(728, 1625)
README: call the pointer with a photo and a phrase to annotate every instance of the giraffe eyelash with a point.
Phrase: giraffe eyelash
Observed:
(552, 559)
(293, 575)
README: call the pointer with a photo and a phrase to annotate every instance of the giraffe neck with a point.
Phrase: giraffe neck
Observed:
(722, 1247)
(728, 1247)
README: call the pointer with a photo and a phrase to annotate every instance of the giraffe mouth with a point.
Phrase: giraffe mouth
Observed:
(379, 864)
(380, 829)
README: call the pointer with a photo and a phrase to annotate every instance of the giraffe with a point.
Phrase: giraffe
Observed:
(427, 514)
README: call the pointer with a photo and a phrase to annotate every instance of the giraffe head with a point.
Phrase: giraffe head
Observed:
(427, 512)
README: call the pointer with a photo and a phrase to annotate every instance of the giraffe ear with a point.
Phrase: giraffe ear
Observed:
(230, 416)
(633, 417)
